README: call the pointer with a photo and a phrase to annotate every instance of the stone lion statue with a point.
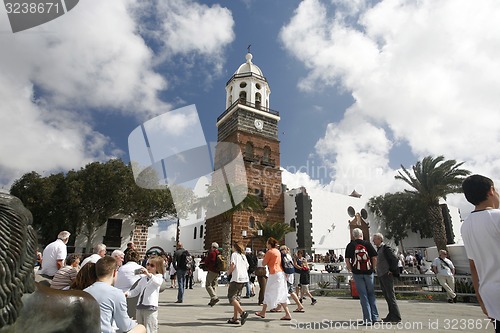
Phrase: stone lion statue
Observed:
(27, 306)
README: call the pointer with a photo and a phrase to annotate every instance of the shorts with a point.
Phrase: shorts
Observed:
(291, 288)
(296, 279)
(234, 291)
(305, 288)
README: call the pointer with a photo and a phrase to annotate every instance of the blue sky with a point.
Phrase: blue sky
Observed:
(361, 86)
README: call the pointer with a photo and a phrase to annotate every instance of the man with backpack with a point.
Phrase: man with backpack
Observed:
(180, 262)
(387, 269)
(213, 273)
(361, 257)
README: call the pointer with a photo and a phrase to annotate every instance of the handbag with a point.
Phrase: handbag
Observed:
(260, 271)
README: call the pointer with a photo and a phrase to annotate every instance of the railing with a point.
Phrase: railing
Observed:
(406, 283)
(247, 103)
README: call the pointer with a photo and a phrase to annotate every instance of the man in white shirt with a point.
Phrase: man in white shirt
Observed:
(445, 271)
(99, 252)
(481, 234)
(54, 255)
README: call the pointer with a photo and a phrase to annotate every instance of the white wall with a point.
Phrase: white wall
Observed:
(126, 235)
(331, 208)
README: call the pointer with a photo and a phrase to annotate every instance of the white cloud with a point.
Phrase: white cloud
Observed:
(188, 28)
(422, 72)
(58, 77)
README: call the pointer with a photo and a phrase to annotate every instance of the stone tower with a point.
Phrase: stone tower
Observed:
(249, 123)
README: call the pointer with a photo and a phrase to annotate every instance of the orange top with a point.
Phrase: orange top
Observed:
(273, 261)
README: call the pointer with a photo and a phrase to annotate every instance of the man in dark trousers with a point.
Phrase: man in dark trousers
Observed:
(213, 274)
(361, 257)
(387, 266)
(252, 264)
(179, 262)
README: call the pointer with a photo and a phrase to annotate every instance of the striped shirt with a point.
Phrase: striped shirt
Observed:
(64, 277)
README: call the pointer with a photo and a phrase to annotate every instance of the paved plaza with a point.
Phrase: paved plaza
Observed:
(336, 314)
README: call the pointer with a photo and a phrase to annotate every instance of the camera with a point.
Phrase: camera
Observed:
(138, 271)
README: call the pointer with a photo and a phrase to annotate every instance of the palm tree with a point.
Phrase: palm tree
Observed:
(277, 230)
(432, 179)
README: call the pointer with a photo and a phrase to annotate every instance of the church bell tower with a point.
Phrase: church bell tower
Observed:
(250, 123)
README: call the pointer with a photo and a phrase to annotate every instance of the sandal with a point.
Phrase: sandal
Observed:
(244, 317)
(258, 314)
(233, 321)
(285, 318)
(274, 310)
(299, 310)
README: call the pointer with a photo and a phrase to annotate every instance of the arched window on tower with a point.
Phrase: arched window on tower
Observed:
(201, 231)
(258, 100)
(251, 222)
(266, 158)
(267, 154)
(194, 236)
(293, 223)
(249, 151)
(259, 192)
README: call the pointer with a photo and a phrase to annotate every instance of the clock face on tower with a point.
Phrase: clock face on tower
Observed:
(259, 124)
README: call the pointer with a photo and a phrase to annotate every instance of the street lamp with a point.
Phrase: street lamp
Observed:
(244, 234)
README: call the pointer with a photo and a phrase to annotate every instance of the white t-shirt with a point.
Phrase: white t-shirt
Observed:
(53, 252)
(240, 272)
(126, 277)
(93, 258)
(442, 268)
(481, 234)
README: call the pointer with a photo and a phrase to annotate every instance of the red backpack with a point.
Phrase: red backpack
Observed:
(361, 260)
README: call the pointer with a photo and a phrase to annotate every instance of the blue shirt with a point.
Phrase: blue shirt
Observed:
(113, 306)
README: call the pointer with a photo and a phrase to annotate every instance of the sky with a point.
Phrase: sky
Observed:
(362, 87)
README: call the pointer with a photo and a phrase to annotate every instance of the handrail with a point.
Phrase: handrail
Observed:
(247, 103)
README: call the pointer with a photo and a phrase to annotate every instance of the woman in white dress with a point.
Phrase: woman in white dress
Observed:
(276, 288)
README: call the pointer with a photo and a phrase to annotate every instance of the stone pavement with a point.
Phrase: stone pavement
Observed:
(335, 314)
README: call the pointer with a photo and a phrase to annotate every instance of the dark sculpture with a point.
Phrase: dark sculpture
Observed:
(26, 306)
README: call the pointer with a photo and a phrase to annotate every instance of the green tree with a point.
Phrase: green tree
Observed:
(45, 198)
(400, 212)
(82, 201)
(99, 191)
(433, 179)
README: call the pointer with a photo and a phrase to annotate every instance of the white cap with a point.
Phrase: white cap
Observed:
(248, 250)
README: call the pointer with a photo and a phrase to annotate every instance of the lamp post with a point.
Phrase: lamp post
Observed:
(244, 234)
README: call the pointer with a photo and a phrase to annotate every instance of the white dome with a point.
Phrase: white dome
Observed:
(248, 67)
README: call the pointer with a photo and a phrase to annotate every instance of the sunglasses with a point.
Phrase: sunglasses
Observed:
(150, 265)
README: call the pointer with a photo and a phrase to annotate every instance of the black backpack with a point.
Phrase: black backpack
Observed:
(185, 261)
(252, 262)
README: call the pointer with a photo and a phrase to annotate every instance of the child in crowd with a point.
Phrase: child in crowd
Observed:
(305, 280)
(148, 289)
(173, 274)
